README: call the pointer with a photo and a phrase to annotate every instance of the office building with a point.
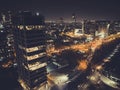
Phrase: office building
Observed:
(30, 46)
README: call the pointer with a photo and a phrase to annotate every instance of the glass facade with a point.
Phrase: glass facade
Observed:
(30, 45)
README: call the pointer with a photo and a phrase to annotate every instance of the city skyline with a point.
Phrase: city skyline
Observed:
(53, 10)
(59, 45)
(38, 55)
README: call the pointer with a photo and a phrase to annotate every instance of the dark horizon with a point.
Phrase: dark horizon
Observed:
(53, 9)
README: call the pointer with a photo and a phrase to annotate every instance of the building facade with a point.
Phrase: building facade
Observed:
(6, 47)
(30, 46)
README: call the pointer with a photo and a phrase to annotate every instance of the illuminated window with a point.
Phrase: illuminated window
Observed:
(35, 56)
(30, 27)
(36, 65)
(31, 49)
(34, 48)
(21, 27)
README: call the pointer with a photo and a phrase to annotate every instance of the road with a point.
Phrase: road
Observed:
(94, 78)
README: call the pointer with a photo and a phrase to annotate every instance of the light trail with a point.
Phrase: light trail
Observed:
(84, 47)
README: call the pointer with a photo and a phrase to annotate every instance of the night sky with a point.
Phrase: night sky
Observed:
(54, 9)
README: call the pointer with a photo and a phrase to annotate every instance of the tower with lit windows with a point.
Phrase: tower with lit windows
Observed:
(30, 46)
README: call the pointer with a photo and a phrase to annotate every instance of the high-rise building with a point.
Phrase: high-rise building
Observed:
(30, 46)
(90, 27)
(6, 46)
(74, 18)
(3, 46)
(103, 28)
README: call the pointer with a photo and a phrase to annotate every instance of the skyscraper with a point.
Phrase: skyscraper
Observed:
(3, 46)
(6, 46)
(30, 46)
(74, 18)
